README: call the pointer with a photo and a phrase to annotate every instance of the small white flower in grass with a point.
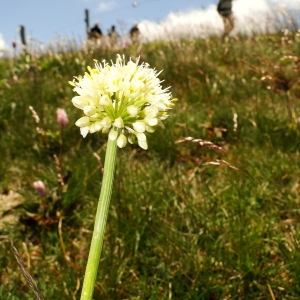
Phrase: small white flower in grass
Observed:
(122, 141)
(113, 135)
(125, 100)
(119, 123)
(139, 126)
(83, 122)
(132, 110)
(105, 101)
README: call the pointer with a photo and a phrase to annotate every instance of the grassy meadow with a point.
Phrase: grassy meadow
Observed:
(213, 216)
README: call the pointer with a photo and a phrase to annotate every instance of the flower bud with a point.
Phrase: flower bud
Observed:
(62, 117)
(40, 188)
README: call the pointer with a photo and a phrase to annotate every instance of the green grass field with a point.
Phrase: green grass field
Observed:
(212, 218)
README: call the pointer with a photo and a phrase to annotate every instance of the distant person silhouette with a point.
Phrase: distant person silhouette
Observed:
(224, 8)
(114, 36)
(134, 33)
(96, 31)
(95, 35)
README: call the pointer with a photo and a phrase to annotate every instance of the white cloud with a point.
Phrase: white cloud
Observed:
(293, 4)
(3, 47)
(251, 16)
(106, 6)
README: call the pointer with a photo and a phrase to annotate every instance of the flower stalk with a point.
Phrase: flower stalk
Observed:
(127, 102)
(100, 221)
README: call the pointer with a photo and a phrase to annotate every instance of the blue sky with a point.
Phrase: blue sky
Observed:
(46, 20)
(51, 20)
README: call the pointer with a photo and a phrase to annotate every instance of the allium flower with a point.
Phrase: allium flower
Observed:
(124, 100)
(62, 117)
(40, 188)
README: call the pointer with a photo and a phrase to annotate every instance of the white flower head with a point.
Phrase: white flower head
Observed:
(123, 99)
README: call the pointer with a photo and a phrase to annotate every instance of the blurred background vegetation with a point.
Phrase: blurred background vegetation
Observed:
(215, 216)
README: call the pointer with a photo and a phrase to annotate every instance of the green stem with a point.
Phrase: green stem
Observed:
(100, 222)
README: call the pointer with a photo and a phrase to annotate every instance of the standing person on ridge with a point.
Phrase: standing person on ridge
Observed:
(114, 36)
(134, 33)
(224, 8)
(95, 35)
(96, 31)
